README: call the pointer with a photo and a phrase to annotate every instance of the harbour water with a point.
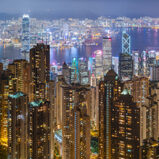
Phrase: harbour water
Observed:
(141, 39)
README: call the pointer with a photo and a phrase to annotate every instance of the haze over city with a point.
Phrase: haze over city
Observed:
(53, 9)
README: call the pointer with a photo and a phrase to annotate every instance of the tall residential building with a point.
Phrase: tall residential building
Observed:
(4, 92)
(59, 101)
(125, 66)
(25, 37)
(94, 110)
(150, 149)
(18, 126)
(51, 98)
(74, 96)
(138, 87)
(81, 132)
(152, 110)
(39, 130)
(107, 54)
(125, 128)
(40, 70)
(20, 74)
(126, 43)
(109, 89)
(119, 117)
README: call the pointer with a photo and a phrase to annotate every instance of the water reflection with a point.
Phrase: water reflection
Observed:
(141, 39)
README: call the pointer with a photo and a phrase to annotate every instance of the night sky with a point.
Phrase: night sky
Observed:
(80, 8)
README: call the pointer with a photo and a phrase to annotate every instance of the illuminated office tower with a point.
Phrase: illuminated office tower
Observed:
(139, 89)
(107, 54)
(125, 66)
(109, 90)
(25, 37)
(151, 61)
(126, 43)
(73, 96)
(18, 126)
(74, 71)
(20, 73)
(98, 64)
(135, 56)
(66, 72)
(39, 130)
(91, 64)
(81, 132)
(115, 63)
(40, 70)
(4, 91)
(144, 66)
(83, 71)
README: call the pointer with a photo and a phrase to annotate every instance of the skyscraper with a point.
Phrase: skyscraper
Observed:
(144, 65)
(125, 66)
(81, 132)
(126, 43)
(154, 73)
(109, 89)
(139, 89)
(40, 70)
(25, 36)
(119, 130)
(115, 63)
(4, 92)
(98, 64)
(20, 73)
(125, 127)
(107, 54)
(83, 71)
(135, 56)
(59, 101)
(74, 96)
(152, 110)
(18, 126)
(66, 72)
(39, 130)
(74, 71)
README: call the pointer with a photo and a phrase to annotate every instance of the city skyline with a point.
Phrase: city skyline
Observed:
(83, 87)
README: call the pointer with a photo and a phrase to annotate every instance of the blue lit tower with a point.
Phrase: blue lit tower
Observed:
(25, 36)
(83, 71)
(126, 43)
